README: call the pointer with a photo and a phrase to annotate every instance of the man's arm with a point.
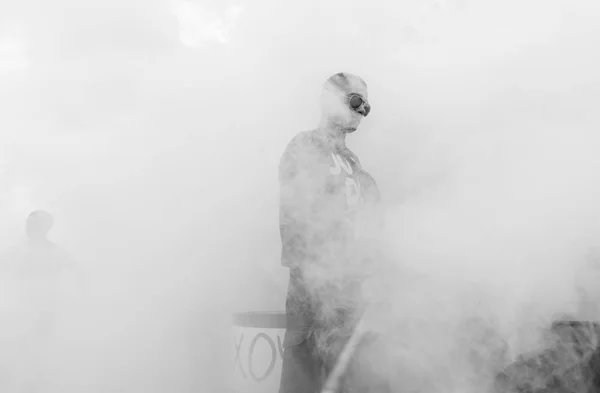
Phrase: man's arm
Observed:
(291, 226)
(300, 190)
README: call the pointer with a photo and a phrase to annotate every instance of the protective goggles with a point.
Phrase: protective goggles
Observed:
(356, 102)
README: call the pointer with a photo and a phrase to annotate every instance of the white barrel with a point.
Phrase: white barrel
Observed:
(258, 351)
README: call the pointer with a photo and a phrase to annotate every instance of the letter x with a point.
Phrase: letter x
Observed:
(237, 360)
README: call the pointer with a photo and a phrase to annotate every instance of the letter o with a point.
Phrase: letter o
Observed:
(251, 353)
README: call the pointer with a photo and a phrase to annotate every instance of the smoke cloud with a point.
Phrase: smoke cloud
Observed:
(152, 131)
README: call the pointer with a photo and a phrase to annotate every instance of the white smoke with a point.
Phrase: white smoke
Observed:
(159, 162)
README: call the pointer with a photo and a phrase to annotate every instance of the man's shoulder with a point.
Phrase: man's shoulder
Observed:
(304, 153)
(304, 144)
(303, 140)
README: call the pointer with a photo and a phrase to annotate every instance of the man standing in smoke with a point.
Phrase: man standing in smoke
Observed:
(37, 268)
(327, 205)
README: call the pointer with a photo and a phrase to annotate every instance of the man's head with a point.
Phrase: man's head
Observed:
(39, 223)
(344, 101)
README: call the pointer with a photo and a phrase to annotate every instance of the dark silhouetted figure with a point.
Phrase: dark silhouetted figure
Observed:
(328, 212)
(37, 268)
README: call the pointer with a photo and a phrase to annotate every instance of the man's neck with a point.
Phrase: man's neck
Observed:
(332, 134)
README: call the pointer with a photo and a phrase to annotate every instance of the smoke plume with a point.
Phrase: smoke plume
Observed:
(155, 143)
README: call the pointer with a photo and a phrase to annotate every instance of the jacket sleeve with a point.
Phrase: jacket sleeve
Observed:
(299, 193)
(372, 218)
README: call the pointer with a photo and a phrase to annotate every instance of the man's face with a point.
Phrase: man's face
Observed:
(337, 107)
(38, 226)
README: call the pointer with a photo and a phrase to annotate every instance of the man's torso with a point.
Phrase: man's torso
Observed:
(339, 192)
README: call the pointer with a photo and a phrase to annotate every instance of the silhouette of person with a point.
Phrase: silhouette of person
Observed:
(327, 205)
(37, 267)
